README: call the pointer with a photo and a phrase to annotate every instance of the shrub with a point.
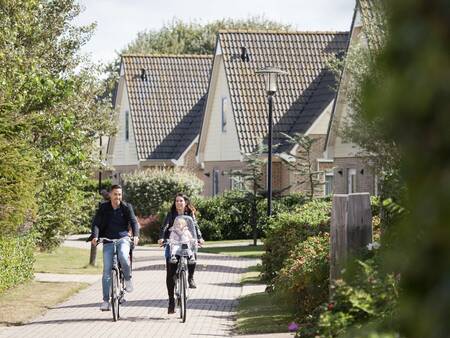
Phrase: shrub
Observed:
(363, 301)
(286, 230)
(18, 179)
(302, 283)
(148, 190)
(16, 260)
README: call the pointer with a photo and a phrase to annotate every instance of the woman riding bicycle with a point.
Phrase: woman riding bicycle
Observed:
(180, 206)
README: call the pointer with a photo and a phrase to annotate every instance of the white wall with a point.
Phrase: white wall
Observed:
(124, 151)
(219, 145)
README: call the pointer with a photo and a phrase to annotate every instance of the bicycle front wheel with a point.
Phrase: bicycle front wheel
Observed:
(115, 294)
(183, 295)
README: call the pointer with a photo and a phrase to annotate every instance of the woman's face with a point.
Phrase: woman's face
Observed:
(180, 204)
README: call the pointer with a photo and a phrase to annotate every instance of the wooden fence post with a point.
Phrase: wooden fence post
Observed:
(351, 229)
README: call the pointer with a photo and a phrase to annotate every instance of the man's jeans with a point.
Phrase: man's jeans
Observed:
(123, 247)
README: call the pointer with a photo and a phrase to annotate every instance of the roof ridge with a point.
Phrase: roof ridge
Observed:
(271, 31)
(182, 56)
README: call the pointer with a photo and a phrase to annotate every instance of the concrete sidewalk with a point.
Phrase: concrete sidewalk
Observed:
(211, 307)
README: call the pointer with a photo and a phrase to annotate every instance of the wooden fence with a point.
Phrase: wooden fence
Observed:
(351, 228)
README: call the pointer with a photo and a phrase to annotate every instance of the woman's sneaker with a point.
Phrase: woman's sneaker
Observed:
(191, 260)
(104, 306)
(173, 260)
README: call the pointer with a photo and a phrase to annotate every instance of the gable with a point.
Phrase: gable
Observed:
(219, 130)
(303, 94)
(166, 98)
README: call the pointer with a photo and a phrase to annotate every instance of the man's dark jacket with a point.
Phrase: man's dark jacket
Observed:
(103, 214)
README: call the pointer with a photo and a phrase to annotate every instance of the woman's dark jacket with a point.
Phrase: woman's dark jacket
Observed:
(103, 214)
(164, 231)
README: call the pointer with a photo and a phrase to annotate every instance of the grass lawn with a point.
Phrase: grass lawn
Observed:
(68, 260)
(248, 251)
(29, 300)
(259, 313)
(252, 276)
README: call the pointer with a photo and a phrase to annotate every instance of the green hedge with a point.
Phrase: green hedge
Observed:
(148, 190)
(287, 229)
(16, 260)
(303, 281)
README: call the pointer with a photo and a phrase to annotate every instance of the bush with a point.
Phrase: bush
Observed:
(18, 179)
(16, 260)
(286, 230)
(302, 283)
(148, 190)
(364, 301)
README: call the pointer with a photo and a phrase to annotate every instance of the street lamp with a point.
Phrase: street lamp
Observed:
(270, 78)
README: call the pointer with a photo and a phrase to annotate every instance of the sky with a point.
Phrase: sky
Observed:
(119, 21)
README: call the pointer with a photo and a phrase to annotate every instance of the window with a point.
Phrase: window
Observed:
(215, 182)
(329, 177)
(127, 126)
(351, 181)
(237, 183)
(224, 114)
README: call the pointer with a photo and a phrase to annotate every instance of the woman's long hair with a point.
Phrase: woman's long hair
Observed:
(189, 209)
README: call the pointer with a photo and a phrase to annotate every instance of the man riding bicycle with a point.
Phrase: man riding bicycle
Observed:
(112, 220)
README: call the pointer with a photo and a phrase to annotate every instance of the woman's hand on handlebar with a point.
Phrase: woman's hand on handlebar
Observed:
(200, 242)
(94, 241)
(160, 242)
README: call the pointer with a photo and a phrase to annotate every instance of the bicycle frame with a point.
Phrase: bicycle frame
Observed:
(117, 287)
(181, 282)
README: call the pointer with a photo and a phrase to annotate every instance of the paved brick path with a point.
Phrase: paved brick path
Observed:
(210, 307)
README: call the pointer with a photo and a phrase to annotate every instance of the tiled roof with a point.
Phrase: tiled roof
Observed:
(166, 102)
(302, 94)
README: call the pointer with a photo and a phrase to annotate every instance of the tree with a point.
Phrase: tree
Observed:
(178, 37)
(413, 101)
(302, 163)
(251, 177)
(49, 101)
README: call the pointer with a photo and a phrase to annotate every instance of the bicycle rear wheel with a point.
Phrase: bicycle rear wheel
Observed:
(183, 295)
(115, 294)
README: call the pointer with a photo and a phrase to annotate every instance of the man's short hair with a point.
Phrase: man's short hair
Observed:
(116, 186)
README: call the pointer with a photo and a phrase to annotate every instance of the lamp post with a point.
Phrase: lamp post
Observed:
(270, 78)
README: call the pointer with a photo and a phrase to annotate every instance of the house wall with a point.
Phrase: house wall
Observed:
(124, 153)
(220, 145)
(224, 180)
(365, 178)
(316, 153)
(190, 162)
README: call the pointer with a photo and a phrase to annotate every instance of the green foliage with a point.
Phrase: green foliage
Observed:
(147, 190)
(413, 102)
(178, 37)
(362, 302)
(286, 230)
(16, 260)
(303, 165)
(18, 176)
(302, 283)
(49, 102)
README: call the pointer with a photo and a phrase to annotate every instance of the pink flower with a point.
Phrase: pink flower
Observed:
(293, 326)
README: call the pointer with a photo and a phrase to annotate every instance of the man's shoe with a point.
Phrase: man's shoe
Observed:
(104, 306)
(129, 286)
(192, 283)
(171, 308)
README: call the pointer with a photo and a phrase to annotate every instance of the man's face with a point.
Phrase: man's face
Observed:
(116, 196)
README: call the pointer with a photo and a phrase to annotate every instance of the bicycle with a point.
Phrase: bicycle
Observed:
(117, 289)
